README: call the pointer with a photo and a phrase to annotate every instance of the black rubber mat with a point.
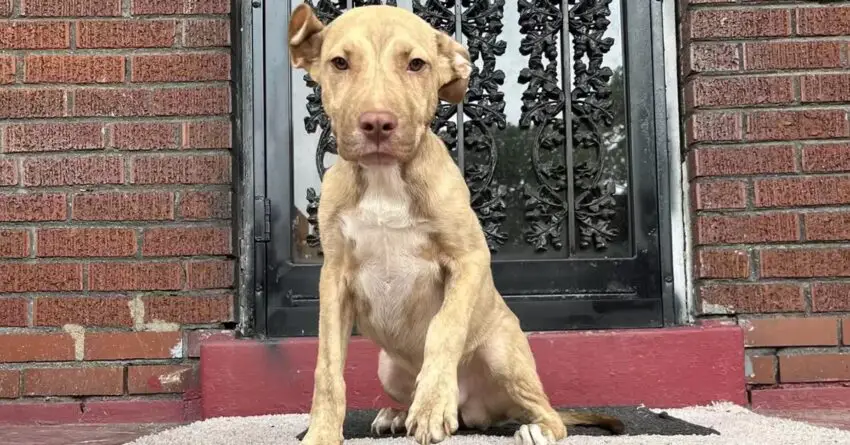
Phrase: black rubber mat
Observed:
(638, 422)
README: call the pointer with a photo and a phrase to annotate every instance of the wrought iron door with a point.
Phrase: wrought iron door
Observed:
(572, 213)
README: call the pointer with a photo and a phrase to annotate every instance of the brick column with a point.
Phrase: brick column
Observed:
(766, 93)
(115, 173)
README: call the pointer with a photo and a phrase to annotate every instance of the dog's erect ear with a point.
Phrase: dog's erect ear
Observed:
(456, 56)
(305, 37)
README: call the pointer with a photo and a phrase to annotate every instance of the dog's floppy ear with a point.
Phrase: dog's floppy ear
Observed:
(456, 57)
(305, 37)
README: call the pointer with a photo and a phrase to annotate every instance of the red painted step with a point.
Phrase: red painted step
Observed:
(668, 368)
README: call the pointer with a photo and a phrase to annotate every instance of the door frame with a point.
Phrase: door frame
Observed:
(251, 210)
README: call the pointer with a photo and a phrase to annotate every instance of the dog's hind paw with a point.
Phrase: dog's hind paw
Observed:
(533, 434)
(389, 419)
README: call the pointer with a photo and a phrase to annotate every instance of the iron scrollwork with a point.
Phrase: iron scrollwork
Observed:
(484, 109)
(544, 102)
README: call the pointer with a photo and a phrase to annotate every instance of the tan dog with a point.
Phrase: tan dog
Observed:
(404, 254)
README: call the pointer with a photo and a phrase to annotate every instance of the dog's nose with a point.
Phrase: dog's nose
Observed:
(377, 126)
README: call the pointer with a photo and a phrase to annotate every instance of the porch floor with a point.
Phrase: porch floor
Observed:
(121, 434)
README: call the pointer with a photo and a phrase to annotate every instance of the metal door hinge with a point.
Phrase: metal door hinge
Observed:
(263, 207)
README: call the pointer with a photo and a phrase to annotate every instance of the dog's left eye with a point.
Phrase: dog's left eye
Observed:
(416, 65)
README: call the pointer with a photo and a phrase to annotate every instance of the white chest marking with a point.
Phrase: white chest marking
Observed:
(387, 241)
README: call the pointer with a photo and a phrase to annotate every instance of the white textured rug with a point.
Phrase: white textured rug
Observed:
(737, 426)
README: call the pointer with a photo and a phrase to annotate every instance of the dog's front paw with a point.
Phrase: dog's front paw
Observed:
(432, 416)
(318, 436)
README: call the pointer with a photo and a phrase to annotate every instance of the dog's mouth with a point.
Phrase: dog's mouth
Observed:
(377, 158)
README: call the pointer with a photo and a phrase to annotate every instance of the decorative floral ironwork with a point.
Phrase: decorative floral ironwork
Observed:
(484, 111)
(544, 102)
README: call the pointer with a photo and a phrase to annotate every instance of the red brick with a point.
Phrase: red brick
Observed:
(803, 368)
(181, 67)
(8, 172)
(825, 88)
(83, 311)
(207, 6)
(712, 57)
(10, 383)
(717, 161)
(831, 297)
(135, 276)
(205, 205)
(792, 331)
(34, 35)
(765, 228)
(14, 243)
(846, 329)
(208, 169)
(189, 310)
(740, 23)
(158, 102)
(159, 379)
(206, 33)
(13, 312)
(794, 192)
(157, 7)
(827, 226)
(73, 69)
(168, 7)
(144, 136)
(32, 207)
(41, 172)
(8, 69)
(207, 134)
(834, 21)
(212, 274)
(722, 263)
(133, 345)
(176, 241)
(791, 55)
(126, 34)
(27, 103)
(118, 206)
(763, 370)
(196, 338)
(70, 8)
(86, 242)
(751, 298)
(17, 348)
(713, 127)
(826, 157)
(53, 137)
(738, 91)
(88, 381)
(791, 125)
(804, 263)
(41, 277)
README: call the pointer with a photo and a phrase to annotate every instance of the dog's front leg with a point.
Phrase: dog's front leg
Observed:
(433, 414)
(336, 316)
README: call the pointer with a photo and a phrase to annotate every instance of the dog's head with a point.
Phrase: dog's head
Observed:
(382, 71)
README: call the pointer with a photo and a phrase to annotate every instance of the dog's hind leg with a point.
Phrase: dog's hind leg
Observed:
(399, 384)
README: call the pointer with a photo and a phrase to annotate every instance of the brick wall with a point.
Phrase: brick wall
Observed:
(766, 95)
(115, 172)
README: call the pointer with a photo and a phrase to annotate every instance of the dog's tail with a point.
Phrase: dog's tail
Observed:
(610, 423)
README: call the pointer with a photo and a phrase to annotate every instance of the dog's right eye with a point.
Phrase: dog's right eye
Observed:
(340, 63)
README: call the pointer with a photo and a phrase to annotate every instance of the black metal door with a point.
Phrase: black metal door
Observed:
(572, 213)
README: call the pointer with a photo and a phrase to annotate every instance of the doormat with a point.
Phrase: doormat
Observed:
(638, 421)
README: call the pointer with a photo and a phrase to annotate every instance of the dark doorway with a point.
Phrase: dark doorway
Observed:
(573, 214)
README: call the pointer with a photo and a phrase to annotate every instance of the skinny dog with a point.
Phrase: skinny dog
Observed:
(404, 254)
